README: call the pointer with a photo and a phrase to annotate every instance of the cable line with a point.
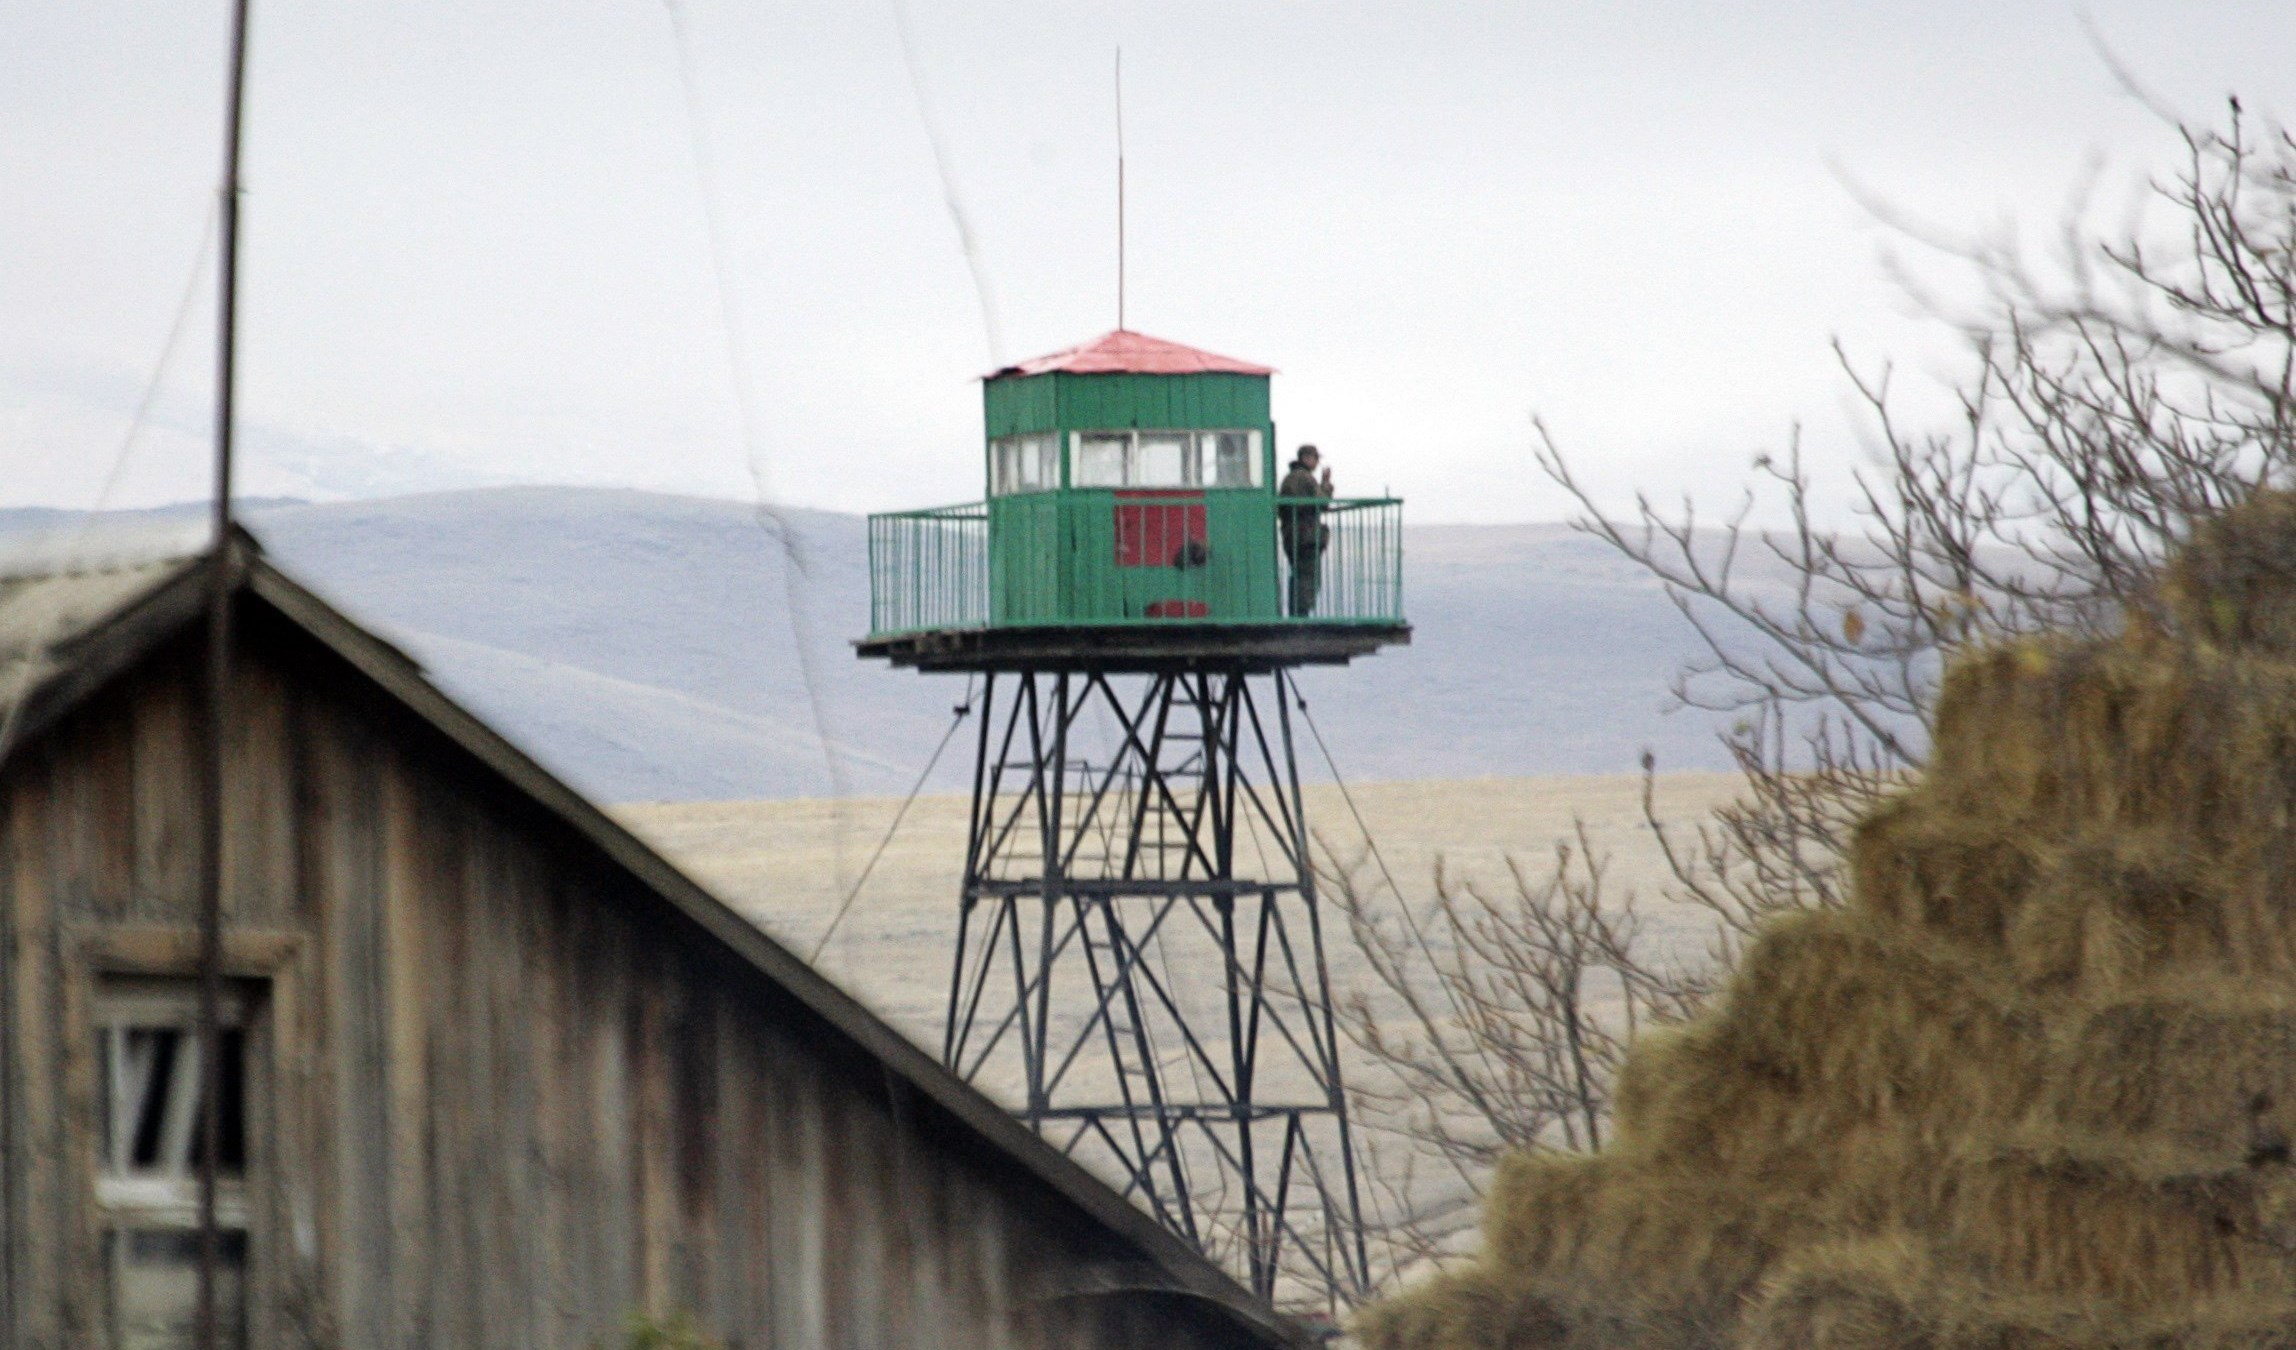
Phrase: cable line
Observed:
(952, 194)
(845, 906)
(1345, 796)
(36, 650)
(1402, 903)
(772, 519)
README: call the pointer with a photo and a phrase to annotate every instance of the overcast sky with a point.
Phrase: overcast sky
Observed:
(477, 247)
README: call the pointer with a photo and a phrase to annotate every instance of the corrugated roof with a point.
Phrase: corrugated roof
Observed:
(58, 583)
(42, 617)
(38, 614)
(1124, 352)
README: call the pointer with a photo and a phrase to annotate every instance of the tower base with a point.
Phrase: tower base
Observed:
(1140, 965)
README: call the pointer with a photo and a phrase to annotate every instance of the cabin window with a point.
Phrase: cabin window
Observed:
(1228, 458)
(1024, 464)
(1100, 460)
(1158, 459)
(151, 1144)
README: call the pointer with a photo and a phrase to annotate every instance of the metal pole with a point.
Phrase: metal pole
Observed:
(970, 898)
(1120, 189)
(217, 693)
(1052, 782)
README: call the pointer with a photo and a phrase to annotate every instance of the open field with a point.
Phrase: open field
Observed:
(787, 863)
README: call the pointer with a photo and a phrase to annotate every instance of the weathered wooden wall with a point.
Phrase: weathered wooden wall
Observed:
(506, 1095)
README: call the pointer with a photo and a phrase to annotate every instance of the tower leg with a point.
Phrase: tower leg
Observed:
(1140, 966)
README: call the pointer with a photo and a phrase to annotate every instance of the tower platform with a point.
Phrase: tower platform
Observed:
(1162, 649)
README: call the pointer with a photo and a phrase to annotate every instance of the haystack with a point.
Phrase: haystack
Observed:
(2036, 1085)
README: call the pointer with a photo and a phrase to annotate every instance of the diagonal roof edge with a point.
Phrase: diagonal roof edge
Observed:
(111, 645)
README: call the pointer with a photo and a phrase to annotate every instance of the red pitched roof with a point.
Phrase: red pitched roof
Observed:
(1125, 352)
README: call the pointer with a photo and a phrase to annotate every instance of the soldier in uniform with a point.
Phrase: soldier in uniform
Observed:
(1300, 527)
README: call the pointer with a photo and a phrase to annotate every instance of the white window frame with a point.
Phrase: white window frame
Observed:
(1200, 453)
(1207, 457)
(163, 1199)
(1077, 477)
(1011, 456)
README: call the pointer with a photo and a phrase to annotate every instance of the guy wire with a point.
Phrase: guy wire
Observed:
(845, 906)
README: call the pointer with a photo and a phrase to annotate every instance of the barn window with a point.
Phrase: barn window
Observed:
(151, 1146)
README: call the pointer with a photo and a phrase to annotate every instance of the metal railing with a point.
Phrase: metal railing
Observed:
(1100, 557)
(1356, 574)
(929, 569)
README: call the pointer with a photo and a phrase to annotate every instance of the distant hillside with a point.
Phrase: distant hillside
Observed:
(646, 646)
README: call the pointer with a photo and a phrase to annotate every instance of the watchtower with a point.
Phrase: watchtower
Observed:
(1139, 964)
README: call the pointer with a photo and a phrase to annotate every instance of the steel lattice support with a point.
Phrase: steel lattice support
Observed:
(1140, 962)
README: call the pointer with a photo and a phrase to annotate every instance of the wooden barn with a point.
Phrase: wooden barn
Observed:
(494, 1073)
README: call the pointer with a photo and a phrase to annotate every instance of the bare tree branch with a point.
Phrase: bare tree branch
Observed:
(2114, 394)
(1496, 1021)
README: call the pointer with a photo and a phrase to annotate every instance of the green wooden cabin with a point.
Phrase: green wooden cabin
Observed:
(1131, 481)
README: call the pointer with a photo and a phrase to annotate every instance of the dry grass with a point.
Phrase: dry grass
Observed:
(787, 864)
(2035, 1087)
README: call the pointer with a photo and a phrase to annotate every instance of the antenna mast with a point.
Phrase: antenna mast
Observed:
(1120, 189)
(216, 702)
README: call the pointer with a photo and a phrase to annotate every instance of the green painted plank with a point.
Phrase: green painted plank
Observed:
(1207, 402)
(1018, 405)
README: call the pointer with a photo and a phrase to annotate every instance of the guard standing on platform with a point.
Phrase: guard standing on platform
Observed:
(1302, 529)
